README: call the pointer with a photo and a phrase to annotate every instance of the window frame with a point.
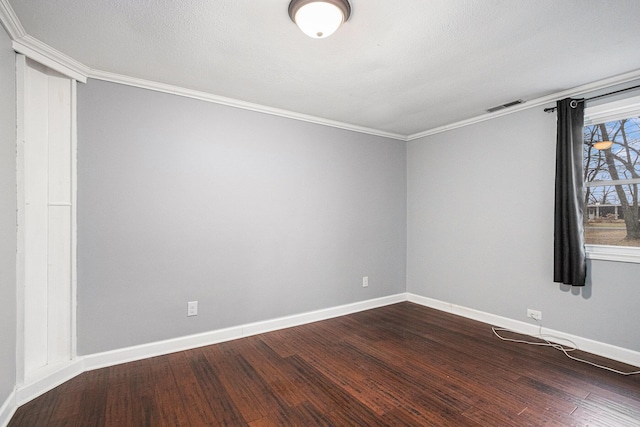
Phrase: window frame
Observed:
(610, 111)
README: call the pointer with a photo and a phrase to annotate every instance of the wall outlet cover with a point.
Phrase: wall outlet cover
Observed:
(192, 308)
(534, 314)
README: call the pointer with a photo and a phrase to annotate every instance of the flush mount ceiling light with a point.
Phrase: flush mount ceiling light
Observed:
(319, 18)
(602, 145)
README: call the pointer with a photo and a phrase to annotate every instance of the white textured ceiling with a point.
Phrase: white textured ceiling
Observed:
(401, 66)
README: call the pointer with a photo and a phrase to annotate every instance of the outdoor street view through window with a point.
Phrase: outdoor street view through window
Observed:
(612, 175)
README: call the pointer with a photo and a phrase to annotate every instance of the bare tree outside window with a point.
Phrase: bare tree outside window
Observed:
(612, 175)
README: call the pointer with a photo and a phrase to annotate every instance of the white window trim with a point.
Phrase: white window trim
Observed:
(613, 253)
(611, 111)
(611, 183)
(599, 114)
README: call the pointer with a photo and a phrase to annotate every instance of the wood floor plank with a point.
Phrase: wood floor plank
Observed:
(225, 412)
(272, 369)
(622, 403)
(253, 396)
(119, 405)
(68, 405)
(299, 415)
(399, 365)
(38, 412)
(193, 398)
(166, 394)
(94, 399)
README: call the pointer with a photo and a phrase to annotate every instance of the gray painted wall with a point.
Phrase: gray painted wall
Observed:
(480, 231)
(7, 217)
(254, 216)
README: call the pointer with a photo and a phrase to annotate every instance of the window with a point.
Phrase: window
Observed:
(612, 178)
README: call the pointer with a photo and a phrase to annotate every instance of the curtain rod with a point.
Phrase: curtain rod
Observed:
(552, 109)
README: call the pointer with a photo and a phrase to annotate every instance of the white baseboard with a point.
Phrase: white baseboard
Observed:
(51, 377)
(130, 354)
(609, 351)
(7, 409)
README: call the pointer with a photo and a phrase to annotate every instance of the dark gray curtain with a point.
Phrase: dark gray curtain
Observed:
(569, 253)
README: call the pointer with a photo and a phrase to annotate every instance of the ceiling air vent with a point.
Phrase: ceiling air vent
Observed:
(503, 106)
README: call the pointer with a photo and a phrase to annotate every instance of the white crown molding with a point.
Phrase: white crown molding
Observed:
(609, 351)
(205, 96)
(46, 55)
(38, 51)
(579, 90)
(10, 21)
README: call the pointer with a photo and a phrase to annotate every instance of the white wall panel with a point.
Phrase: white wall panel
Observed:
(45, 169)
(59, 123)
(36, 217)
(59, 279)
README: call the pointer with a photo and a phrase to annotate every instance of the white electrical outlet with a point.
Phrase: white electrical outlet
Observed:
(192, 308)
(365, 281)
(534, 314)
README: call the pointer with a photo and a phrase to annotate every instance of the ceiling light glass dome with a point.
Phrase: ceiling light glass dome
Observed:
(319, 18)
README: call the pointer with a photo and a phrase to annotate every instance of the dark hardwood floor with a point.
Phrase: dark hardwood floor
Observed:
(398, 365)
